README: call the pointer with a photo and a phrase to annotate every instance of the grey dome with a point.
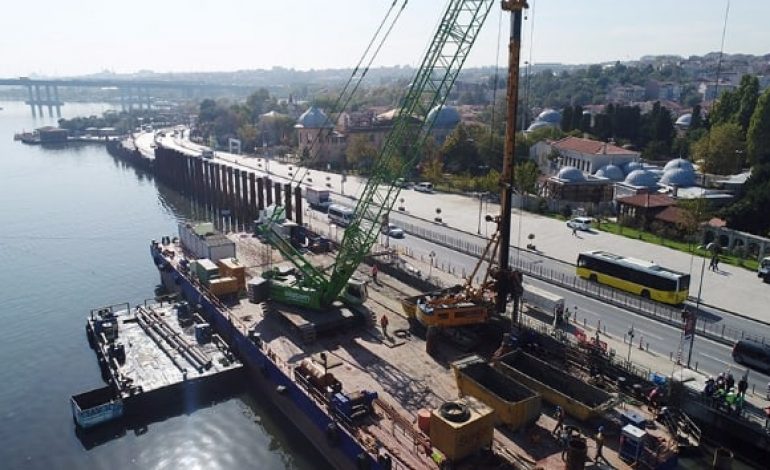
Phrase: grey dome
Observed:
(446, 117)
(631, 166)
(642, 178)
(539, 125)
(550, 116)
(684, 120)
(314, 118)
(679, 163)
(678, 177)
(611, 172)
(571, 174)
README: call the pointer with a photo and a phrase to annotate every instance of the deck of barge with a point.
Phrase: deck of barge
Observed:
(397, 367)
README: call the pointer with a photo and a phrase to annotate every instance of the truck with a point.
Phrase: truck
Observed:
(763, 271)
(318, 198)
(544, 302)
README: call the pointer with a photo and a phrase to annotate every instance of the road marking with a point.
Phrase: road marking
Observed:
(646, 334)
(730, 364)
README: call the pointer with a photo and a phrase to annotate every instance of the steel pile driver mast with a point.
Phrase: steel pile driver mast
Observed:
(443, 60)
(509, 281)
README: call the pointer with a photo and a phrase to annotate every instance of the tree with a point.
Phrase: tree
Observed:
(721, 149)
(566, 119)
(748, 93)
(459, 151)
(360, 153)
(525, 177)
(749, 213)
(758, 135)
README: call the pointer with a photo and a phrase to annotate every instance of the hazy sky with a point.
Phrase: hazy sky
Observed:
(52, 37)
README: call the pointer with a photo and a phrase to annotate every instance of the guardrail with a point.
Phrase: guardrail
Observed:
(716, 331)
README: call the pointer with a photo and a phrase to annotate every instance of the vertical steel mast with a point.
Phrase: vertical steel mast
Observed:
(507, 279)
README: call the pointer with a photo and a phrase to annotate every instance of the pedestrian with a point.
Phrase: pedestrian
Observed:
(374, 273)
(574, 232)
(743, 385)
(599, 445)
(560, 415)
(729, 380)
(384, 325)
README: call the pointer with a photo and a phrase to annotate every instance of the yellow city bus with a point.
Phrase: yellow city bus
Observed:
(639, 277)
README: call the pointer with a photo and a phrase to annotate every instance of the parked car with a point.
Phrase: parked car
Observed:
(579, 223)
(424, 187)
(392, 230)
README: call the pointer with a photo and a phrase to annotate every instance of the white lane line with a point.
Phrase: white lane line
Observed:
(638, 332)
(730, 364)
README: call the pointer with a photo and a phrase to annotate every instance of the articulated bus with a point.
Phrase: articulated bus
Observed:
(636, 276)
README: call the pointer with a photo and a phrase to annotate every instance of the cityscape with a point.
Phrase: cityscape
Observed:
(452, 262)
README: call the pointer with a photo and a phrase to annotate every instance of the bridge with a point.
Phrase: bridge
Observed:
(45, 92)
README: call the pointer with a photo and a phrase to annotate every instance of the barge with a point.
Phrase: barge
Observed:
(149, 356)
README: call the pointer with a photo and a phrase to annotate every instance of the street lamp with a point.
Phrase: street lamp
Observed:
(630, 341)
(481, 201)
(431, 255)
(694, 314)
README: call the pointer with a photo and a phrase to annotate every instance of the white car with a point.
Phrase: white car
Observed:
(580, 223)
(424, 187)
(392, 230)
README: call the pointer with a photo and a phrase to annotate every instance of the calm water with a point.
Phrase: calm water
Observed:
(76, 226)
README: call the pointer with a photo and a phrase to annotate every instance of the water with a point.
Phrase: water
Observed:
(76, 227)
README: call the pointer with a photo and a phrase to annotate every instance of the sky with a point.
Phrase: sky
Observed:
(55, 38)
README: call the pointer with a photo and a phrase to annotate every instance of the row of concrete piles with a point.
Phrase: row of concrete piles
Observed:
(221, 187)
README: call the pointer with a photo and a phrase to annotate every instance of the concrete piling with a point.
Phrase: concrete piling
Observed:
(260, 193)
(287, 201)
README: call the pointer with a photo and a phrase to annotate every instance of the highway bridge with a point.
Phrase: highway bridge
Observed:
(44, 93)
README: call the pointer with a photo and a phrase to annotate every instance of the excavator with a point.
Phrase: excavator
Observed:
(311, 287)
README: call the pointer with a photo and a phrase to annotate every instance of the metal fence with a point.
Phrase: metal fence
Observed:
(717, 331)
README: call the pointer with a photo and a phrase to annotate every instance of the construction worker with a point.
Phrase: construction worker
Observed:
(560, 415)
(599, 445)
(384, 325)
(743, 385)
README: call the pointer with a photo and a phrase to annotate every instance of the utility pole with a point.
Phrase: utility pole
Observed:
(506, 277)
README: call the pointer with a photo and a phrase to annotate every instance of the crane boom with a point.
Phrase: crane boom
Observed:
(445, 57)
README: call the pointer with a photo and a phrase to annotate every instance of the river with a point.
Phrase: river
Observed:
(76, 228)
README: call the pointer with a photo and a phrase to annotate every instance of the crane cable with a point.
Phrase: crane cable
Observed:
(346, 95)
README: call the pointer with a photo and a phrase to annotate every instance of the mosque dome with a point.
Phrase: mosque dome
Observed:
(550, 116)
(539, 125)
(684, 120)
(631, 166)
(446, 117)
(611, 172)
(678, 177)
(571, 174)
(679, 163)
(642, 178)
(314, 118)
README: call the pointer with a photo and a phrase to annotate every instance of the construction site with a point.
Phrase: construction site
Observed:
(383, 369)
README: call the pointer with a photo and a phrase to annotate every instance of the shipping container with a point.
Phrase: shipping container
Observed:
(201, 241)
(206, 271)
(223, 286)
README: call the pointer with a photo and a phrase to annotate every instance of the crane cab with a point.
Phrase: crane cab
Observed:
(356, 292)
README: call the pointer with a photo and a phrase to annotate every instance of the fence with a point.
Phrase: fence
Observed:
(717, 331)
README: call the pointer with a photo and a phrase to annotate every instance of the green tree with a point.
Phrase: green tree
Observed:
(748, 93)
(525, 177)
(459, 151)
(758, 135)
(360, 153)
(566, 119)
(749, 213)
(721, 149)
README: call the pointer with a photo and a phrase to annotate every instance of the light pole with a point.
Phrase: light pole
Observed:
(481, 201)
(432, 255)
(630, 342)
(694, 314)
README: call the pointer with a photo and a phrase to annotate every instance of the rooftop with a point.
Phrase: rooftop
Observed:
(591, 147)
(647, 200)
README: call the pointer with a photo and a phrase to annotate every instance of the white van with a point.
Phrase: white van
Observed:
(424, 187)
(340, 216)
(580, 223)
